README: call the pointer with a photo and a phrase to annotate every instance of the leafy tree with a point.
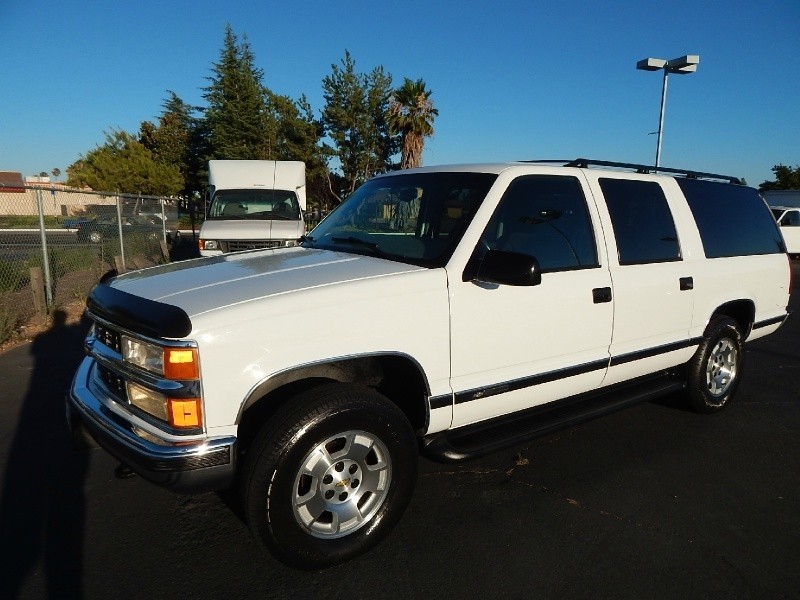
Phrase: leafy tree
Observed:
(786, 178)
(411, 114)
(124, 164)
(56, 173)
(236, 118)
(354, 117)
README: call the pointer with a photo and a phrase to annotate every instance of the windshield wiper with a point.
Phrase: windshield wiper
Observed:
(358, 242)
(268, 214)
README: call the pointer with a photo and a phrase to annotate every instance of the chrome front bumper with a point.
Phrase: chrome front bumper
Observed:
(182, 466)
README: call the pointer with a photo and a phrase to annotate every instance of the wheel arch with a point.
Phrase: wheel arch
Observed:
(742, 311)
(398, 377)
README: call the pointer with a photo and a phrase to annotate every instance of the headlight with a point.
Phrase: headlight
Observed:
(290, 243)
(149, 401)
(172, 363)
(178, 412)
(209, 245)
(145, 356)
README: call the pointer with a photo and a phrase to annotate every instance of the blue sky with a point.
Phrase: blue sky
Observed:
(511, 79)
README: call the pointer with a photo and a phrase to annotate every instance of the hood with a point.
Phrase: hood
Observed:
(206, 284)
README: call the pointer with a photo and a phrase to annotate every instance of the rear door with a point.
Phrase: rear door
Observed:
(652, 272)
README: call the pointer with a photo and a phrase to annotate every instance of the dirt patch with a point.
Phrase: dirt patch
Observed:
(72, 312)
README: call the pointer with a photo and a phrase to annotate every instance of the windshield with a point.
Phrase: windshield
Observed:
(416, 218)
(254, 204)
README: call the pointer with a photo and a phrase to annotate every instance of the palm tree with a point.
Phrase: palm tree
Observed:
(411, 114)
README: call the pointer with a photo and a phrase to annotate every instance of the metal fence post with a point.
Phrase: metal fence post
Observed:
(119, 226)
(48, 283)
(163, 221)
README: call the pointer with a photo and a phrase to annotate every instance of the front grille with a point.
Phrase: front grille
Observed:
(114, 383)
(237, 245)
(109, 337)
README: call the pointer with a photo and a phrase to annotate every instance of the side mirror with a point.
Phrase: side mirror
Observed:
(509, 268)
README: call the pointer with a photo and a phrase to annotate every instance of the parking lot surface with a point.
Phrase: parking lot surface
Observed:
(654, 501)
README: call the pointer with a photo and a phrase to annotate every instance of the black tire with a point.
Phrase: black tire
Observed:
(334, 451)
(716, 368)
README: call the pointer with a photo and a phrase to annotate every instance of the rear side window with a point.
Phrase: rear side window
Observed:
(642, 221)
(733, 220)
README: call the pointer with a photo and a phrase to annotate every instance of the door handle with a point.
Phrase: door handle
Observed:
(687, 283)
(601, 295)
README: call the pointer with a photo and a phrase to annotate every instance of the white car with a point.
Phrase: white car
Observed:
(788, 219)
(466, 308)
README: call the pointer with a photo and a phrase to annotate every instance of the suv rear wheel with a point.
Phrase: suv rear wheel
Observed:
(715, 369)
(329, 475)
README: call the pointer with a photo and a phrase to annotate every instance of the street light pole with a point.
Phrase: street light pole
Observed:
(683, 65)
(661, 117)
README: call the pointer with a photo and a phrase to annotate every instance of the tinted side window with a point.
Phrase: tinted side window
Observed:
(733, 220)
(546, 217)
(643, 224)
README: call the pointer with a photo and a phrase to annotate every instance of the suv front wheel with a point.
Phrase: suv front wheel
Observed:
(329, 475)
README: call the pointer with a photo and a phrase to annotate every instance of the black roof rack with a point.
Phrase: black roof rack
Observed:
(585, 163)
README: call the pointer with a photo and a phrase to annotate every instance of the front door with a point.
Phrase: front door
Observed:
(515, 347)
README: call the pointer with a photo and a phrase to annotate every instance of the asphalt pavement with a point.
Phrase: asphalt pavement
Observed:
(651, 502)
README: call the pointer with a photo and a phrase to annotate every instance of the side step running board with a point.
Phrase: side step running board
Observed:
(483, 438)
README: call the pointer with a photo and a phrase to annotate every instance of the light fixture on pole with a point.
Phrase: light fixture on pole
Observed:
(681, 66)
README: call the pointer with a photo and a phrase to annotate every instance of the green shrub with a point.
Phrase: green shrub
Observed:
(27, 222)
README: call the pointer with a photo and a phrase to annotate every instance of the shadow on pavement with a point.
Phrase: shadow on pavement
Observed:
(42, 505)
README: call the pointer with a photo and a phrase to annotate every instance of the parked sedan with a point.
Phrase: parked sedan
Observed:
(98, 229)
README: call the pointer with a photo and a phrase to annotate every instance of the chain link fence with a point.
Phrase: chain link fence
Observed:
(56, 243)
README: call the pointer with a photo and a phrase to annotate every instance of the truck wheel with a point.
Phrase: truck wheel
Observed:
(329, 475)
(95, 237)
(716, 367)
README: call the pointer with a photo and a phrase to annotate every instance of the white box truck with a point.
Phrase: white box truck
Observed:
(253, 204)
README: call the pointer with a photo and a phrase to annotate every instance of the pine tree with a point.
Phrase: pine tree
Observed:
(236, 118)
(354, 116)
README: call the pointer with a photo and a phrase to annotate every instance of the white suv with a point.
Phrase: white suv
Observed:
(462, 309)
(788, 218)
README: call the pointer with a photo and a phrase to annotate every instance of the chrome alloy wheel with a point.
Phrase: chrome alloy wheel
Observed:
(341, 484)
(722, 367)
